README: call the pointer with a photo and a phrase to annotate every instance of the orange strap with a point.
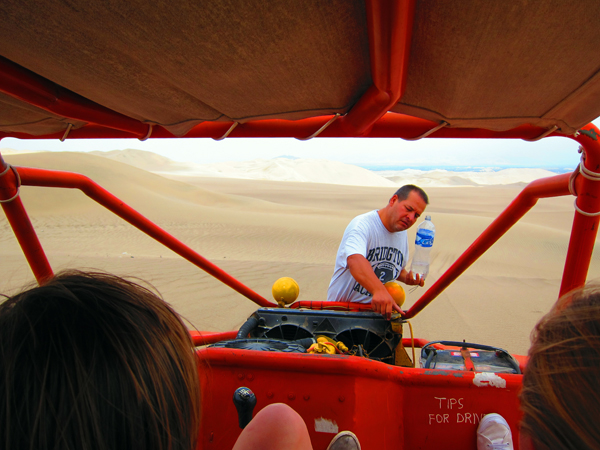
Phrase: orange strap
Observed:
(466, 354)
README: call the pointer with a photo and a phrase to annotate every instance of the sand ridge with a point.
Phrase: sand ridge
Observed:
(260, 230)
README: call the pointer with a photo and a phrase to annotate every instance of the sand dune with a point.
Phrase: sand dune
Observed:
(143, 159)
(445, 178)
(320, 171)
(277, 169)
(12, 151)
(260, 230)
(284, 169)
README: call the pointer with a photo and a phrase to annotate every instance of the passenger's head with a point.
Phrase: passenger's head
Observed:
(92, 361)
(561, 385)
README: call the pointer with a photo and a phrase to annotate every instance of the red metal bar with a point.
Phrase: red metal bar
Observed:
(419, 343)
(333, 306)
(390, 27)
(210, 337)
(403, 126)
(527, 198)
(391, 125)
(51, 178)
(21, 225)
(20, 83)
(585, 228)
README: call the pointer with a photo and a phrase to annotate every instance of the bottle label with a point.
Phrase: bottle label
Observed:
(424, 238)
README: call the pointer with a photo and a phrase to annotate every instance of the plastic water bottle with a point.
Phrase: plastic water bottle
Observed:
(423, 243)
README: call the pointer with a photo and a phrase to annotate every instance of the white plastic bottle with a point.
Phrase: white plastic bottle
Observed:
(423, 243)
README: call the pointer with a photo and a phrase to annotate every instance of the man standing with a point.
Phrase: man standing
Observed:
(374, 250)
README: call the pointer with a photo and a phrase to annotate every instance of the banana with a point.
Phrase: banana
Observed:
(328, 341)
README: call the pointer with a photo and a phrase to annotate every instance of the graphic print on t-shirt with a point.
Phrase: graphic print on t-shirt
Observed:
(386, 259)
(391, 254)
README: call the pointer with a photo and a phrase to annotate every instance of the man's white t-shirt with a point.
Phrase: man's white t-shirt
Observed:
(386, 252)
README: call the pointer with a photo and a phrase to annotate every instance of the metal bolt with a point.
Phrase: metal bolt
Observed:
(291, 396)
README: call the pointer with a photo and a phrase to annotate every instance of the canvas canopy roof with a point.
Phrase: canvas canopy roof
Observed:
(114, 68)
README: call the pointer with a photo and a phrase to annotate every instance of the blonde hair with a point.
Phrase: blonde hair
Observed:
(560, 398)
(92, 361)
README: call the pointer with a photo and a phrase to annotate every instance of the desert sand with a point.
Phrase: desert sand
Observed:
(261, 229)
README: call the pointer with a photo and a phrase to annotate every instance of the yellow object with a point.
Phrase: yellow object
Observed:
(321, 347)
(327, 345)
(285, 291)
(396, 291)
(337, 344)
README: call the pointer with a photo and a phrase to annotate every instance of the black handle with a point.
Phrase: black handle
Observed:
(244, 401)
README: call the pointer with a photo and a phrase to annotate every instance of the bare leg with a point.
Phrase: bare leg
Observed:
(275, 427)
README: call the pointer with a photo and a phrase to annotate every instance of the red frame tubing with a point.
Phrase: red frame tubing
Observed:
(21, 225)
(391, 125)
(20, 83)
(52, 178)
(331, 306)
(527, 198)
(389, 25)
(585, 228)
(419, 343)
(208, 337)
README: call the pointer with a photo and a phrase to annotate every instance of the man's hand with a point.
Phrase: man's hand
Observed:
(383, 303)
(411, 279)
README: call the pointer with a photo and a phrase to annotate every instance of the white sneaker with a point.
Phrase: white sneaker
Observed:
(493, 433)
(344, 440)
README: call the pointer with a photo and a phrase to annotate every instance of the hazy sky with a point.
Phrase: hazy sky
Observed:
(556, 152)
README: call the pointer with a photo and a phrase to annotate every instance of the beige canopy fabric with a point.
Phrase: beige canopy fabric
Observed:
(497, 65)
(472, 63)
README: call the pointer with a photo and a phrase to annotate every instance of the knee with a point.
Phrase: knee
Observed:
(281, 418)
(275, 426)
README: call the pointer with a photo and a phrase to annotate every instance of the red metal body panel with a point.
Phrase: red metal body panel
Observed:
(387, 407)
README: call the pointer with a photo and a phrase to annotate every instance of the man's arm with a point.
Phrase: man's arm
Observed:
(382, 302)
(411, 279)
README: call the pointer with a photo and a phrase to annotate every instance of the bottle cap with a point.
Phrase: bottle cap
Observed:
(427, 217)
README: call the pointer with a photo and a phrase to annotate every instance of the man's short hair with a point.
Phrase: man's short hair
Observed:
(405, 191)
